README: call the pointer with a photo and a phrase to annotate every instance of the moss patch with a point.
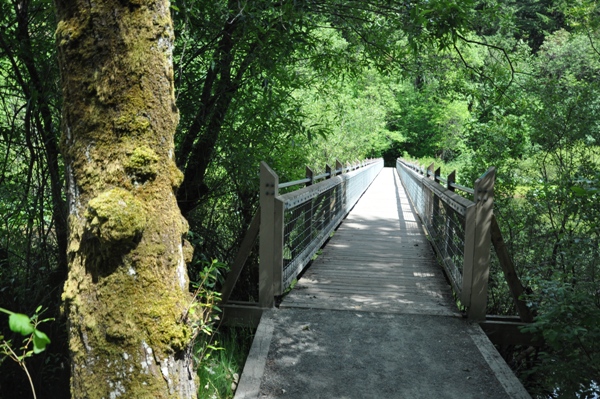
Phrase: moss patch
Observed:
(132, 124)
(116, 216)
(142, 164)
(175, 175)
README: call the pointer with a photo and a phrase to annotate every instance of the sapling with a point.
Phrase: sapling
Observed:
(27, 327)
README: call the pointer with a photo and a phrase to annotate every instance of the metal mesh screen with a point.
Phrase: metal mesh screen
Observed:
(312, 213)
(446, 227)
(443, 218)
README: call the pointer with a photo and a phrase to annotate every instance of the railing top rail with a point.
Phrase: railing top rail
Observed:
(304, 194)
(307, 193)
(454, 200)
(463, 188)
(425, 171)
(295, 182)
(334, 172)
(322, 176)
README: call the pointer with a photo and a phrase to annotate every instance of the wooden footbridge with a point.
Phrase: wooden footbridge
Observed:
(401, 258)
(379, 260)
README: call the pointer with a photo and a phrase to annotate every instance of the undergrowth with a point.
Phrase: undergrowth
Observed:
(221, 366)
(220, 351)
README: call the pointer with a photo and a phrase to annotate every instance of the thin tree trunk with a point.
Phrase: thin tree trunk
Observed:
(46, 129)
(127, 290)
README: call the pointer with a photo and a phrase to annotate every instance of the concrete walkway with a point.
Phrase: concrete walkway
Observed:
(374, 318)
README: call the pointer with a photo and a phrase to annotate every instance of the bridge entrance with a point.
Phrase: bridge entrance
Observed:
(374, 317)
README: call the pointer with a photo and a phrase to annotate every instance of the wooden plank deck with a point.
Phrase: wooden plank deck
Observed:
(379, 260)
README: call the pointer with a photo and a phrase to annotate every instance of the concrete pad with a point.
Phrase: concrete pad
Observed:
(339, 354)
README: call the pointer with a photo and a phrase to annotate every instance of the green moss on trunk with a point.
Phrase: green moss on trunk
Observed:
(127, 289)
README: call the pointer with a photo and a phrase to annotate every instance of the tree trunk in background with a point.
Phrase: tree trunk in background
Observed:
(127, 292)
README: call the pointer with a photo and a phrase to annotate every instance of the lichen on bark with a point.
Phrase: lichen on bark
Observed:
(127, 288)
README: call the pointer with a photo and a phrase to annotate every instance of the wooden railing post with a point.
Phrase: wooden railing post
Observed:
(271, 238)
(476, 269)
(451, 180)
(429, 205)
(449, 229)
(339, 168)
(278, 240)
(469, 248)
(437, 174)
(310, 175)
(430, 171)
(436, 213)
(332, 196)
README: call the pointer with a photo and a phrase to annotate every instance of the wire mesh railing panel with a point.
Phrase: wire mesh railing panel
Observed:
(447, 232)
(443, 214)
(413, 188)
(306, 227)
(357, 182)
(312, 213)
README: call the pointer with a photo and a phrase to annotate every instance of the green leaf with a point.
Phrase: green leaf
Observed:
(40, 340)
(20, 323)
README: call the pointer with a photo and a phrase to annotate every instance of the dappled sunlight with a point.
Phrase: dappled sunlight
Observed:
(421, 274)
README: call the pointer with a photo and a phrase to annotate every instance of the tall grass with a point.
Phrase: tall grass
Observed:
(221, 365)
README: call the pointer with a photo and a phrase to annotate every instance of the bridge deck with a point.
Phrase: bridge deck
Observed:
(378, 260)
(373, 317)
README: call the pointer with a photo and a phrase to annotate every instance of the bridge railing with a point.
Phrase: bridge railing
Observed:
(295, 225)
(292, 227)
(459, 228)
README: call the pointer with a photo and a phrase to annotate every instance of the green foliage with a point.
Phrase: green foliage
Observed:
(222, 367)
(204, 310)
(429, 124)
(569, 323)
(219, 353)
(351, 114)
(26, 326)
(20, 323)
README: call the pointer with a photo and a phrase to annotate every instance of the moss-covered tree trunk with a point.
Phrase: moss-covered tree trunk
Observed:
(127, 290)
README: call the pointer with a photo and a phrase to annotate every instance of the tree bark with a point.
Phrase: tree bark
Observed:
(127, 290)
